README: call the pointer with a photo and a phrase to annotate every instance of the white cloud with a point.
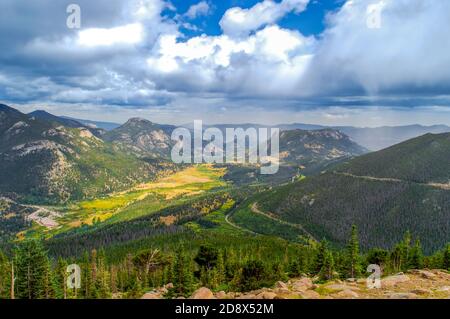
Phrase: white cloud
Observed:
(127, 34)
(200, 9)
(240, 22)
(257, 65)
(410, 50)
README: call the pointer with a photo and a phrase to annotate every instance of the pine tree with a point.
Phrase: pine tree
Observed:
(5, 276)
(60, 278)
(183, 278)
(353, 258)
(415, 256)
(320, 256)
(446, 258)
(32, 270)
(220, 269)
(327, 271)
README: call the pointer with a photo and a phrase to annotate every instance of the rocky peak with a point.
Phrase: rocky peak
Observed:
(135, 121)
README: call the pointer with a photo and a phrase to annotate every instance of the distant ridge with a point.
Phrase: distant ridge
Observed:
(107, 126)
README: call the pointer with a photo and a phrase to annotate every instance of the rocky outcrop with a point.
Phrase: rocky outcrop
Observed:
(203, 293)
(416, 284)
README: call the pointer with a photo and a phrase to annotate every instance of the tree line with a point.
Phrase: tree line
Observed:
(29, 272)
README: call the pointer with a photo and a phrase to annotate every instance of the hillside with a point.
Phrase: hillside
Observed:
(422, 160)
(142, 137)
(44, 161)
(384, 194)
(301, 153)
(312, 149)
(378, 138)
(67, 122)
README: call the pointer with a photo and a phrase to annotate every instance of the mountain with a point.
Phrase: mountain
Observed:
(405, 187)
(316, 148)
(424, 159)
(301, 151)
(373, 139)
(107, 126)
(381, 137)
(43, 160)
(142, 137)
(43, 115)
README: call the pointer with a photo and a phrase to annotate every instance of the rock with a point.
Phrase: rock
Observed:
(282, 291)
(181, 297)
(221, 295)
(402, 295)
(281, 284)
(152, 295)
(302, 284)
(427, 274)
(443, 289)
(346, 294)
(351, 280)
(310, 294)
(394, 280)
(169, 286)
(163, 290)
(266, 295)
(420, 291)
(202, 293)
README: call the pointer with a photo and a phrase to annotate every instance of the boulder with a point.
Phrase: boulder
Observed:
(394, 280)
(152, 295)
(302, 284)
(202, 293)
(266, 295)
(281, 284)
(421, 291)
(346, 294)
(221, 295)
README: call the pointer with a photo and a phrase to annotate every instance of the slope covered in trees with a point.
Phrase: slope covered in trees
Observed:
(423, 160)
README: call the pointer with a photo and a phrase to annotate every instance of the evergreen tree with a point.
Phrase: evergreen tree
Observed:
(446, 258)
(254, 275)
(353, 258)
(61, 279)
(33, 276)
(320, 256)
(327, 271)
(415, 256)
(183, 277)
(5, 276)
(207, 257)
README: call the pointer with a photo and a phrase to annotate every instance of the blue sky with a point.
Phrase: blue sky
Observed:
(335, 62)
(309, 22)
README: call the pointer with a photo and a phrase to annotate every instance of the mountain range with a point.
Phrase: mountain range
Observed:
(385, 193)
(326, 181)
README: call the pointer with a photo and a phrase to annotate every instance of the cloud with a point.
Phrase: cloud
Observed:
(197, 10)
(129, 34)
(134, 55)
(407, 54)
(256, 65)
(240, 22)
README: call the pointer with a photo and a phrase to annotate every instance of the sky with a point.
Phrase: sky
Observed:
(330, 62)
